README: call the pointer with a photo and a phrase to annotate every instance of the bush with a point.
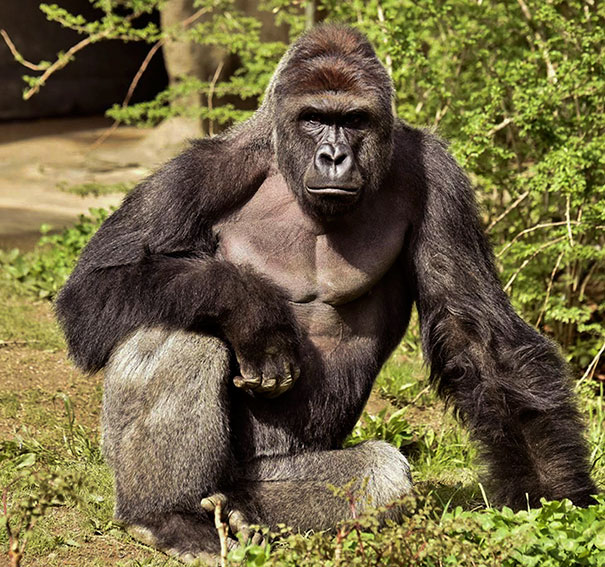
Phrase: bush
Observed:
(43, 271)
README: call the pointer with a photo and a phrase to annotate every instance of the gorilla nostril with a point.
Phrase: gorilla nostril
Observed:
(340, 158)
(326, 159)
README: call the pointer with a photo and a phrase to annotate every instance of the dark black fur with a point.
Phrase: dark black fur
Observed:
(153, 264)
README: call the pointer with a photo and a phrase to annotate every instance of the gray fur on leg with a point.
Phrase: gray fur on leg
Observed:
(294, 489)
(165, 421)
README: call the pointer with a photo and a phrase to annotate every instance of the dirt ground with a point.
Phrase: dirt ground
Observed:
(37, 156)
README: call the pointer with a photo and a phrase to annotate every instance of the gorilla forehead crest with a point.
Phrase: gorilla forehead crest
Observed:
(333, 59)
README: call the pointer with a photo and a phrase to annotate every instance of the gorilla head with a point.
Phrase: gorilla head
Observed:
(331, 101)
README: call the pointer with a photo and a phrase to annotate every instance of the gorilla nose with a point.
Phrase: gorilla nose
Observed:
(333, 161)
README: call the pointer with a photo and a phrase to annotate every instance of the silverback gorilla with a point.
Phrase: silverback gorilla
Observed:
(243, 299)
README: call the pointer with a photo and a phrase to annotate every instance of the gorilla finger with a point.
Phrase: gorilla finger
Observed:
(238, 523)
(251, 382)
(268, 384)
(257, 539)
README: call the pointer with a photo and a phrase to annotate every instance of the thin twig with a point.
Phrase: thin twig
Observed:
(528, 230)
(499, 126)
(215, 77)
(135, 81)
(585, 282)
(388, 59)
(507, 211)
(131, 88)
(528, 260)
(549, 289)
(18, 56)
(63, 61)
(221, 528)
(422, 392)
(568, 220)
(592, 366)
(551, 74)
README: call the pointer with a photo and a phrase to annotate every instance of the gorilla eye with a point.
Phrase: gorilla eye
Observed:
(355, 120)
(313, 118)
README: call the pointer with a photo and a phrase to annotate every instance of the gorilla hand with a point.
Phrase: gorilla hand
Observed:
(276, 374)
(265, 339)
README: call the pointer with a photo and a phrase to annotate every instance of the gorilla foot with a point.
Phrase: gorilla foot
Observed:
(186, 537)
(237, 523)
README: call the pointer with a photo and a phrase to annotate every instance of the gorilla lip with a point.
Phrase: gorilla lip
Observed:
(333, 191)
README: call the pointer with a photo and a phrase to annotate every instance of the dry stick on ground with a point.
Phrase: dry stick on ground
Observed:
(135, 81)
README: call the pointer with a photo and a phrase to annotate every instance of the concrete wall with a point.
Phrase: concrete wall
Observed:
(96, 79)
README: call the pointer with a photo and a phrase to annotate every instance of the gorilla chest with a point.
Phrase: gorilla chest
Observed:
(317, 264)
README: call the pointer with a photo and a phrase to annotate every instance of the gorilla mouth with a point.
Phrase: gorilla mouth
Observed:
(335, 191)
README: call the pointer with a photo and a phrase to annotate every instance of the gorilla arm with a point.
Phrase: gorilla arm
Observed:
(508, 382)
(152, 263)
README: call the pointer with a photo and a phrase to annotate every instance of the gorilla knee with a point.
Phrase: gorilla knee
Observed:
(387, 472)
(150, 353)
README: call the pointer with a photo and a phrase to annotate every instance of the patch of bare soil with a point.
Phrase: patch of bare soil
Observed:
(23, 369)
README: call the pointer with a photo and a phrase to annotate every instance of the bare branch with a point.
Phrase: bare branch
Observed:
(63, 61)
(528, 260)
(551, 74)
(514, 205)
(592, 366)
(18, 57)
(549, 288)
(499, 126)
(567, 217)
(531, 229)
(135, 81)
(215, 77)
(131, 88)
(388, 59)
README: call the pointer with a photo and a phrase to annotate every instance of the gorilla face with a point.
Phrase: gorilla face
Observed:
(333, 126)
(333, 152)
(333, 175)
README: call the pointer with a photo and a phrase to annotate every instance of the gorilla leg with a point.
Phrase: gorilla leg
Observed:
(166, 434)
(293, 489)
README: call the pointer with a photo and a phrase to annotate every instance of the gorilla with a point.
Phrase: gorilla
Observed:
(243, 299)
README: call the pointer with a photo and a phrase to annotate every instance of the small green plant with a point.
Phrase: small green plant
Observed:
(44, 490)
(43, 271)
(393, 428)
(95, 189)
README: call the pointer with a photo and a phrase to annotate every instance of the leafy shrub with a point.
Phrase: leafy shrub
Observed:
(394, 429)
(44, 270)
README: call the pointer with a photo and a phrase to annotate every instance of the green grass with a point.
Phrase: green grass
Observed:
(23, 321)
